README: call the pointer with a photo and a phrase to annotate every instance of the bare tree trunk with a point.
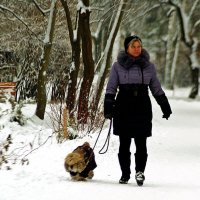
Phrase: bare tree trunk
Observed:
(195, 83)
(71, 94)
(41, 90)
(174, 62)
(75, 43)
(88, 73)
(172, 35)
(194, 59)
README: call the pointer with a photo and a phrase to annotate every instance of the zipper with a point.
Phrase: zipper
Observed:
(142, 75)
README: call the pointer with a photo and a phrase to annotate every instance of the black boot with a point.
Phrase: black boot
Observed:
(139, 177)
(123, 180)
(140, 164)
(125, 162)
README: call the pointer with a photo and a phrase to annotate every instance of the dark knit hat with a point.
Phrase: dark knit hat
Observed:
(129, 39)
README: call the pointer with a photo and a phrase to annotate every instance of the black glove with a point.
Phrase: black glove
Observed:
(109, 104)
(166, 111)
(164, 104)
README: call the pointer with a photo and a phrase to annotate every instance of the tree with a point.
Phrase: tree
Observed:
(88, 73)
(172, 38)
(74, 36)
(41, 89)
(188, 27)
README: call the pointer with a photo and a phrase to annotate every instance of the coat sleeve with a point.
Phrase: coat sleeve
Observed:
(159, 95)
(113, 80)
(155, 85)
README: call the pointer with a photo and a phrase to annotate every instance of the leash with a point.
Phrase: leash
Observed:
(107, 138)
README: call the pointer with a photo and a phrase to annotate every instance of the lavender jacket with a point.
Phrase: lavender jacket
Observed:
(127, 71)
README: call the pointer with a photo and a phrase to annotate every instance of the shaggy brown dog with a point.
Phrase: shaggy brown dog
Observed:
(81, 163)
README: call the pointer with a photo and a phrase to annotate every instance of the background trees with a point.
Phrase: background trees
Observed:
(83, 34)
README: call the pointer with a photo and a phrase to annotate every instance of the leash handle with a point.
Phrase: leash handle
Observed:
(99, 134)
(107, 140)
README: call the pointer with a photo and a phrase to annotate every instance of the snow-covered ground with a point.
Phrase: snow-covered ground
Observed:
(172, 172)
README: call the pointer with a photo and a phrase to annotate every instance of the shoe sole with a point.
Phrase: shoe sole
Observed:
(122, 182)
(140, 183)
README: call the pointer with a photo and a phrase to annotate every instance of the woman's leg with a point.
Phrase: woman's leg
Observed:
(125, 156)
(140, 154)
(140, 159)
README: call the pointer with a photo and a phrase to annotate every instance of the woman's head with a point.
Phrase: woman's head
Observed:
(133, 45)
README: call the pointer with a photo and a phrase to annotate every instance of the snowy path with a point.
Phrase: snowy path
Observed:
(172, 173)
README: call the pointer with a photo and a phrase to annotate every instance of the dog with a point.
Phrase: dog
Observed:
(80, 163)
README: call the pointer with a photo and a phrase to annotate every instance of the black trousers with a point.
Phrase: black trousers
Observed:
(125, 154)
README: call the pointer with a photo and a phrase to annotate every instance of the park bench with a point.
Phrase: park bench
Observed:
(7, 88)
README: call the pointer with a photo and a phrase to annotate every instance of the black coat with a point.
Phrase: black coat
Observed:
(132, 115)
(127, 89)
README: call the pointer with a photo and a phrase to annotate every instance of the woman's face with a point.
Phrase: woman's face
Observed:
(134, 49)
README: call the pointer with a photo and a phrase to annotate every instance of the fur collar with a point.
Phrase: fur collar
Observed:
(128, 61)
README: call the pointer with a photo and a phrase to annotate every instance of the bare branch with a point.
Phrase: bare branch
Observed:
(69, 20)
(40, 9)
(193, 8)
(197, 23)
(37, 147)
(3, 8)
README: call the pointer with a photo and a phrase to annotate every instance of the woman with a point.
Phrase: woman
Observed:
(130, 78)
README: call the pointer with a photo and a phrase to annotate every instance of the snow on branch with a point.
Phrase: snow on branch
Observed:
(49, 28)
(194, 56)
(197, 23)
(96, 34)
(81, 7)
(13, 13)
(3, 8)
(103, 17)
(40, 9)
(171, 10)
(148, 10)
(75, 31)
(193, 8)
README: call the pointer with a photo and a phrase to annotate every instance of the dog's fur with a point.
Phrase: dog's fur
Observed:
(80, 163)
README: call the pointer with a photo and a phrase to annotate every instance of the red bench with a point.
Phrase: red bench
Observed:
(7, 87)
